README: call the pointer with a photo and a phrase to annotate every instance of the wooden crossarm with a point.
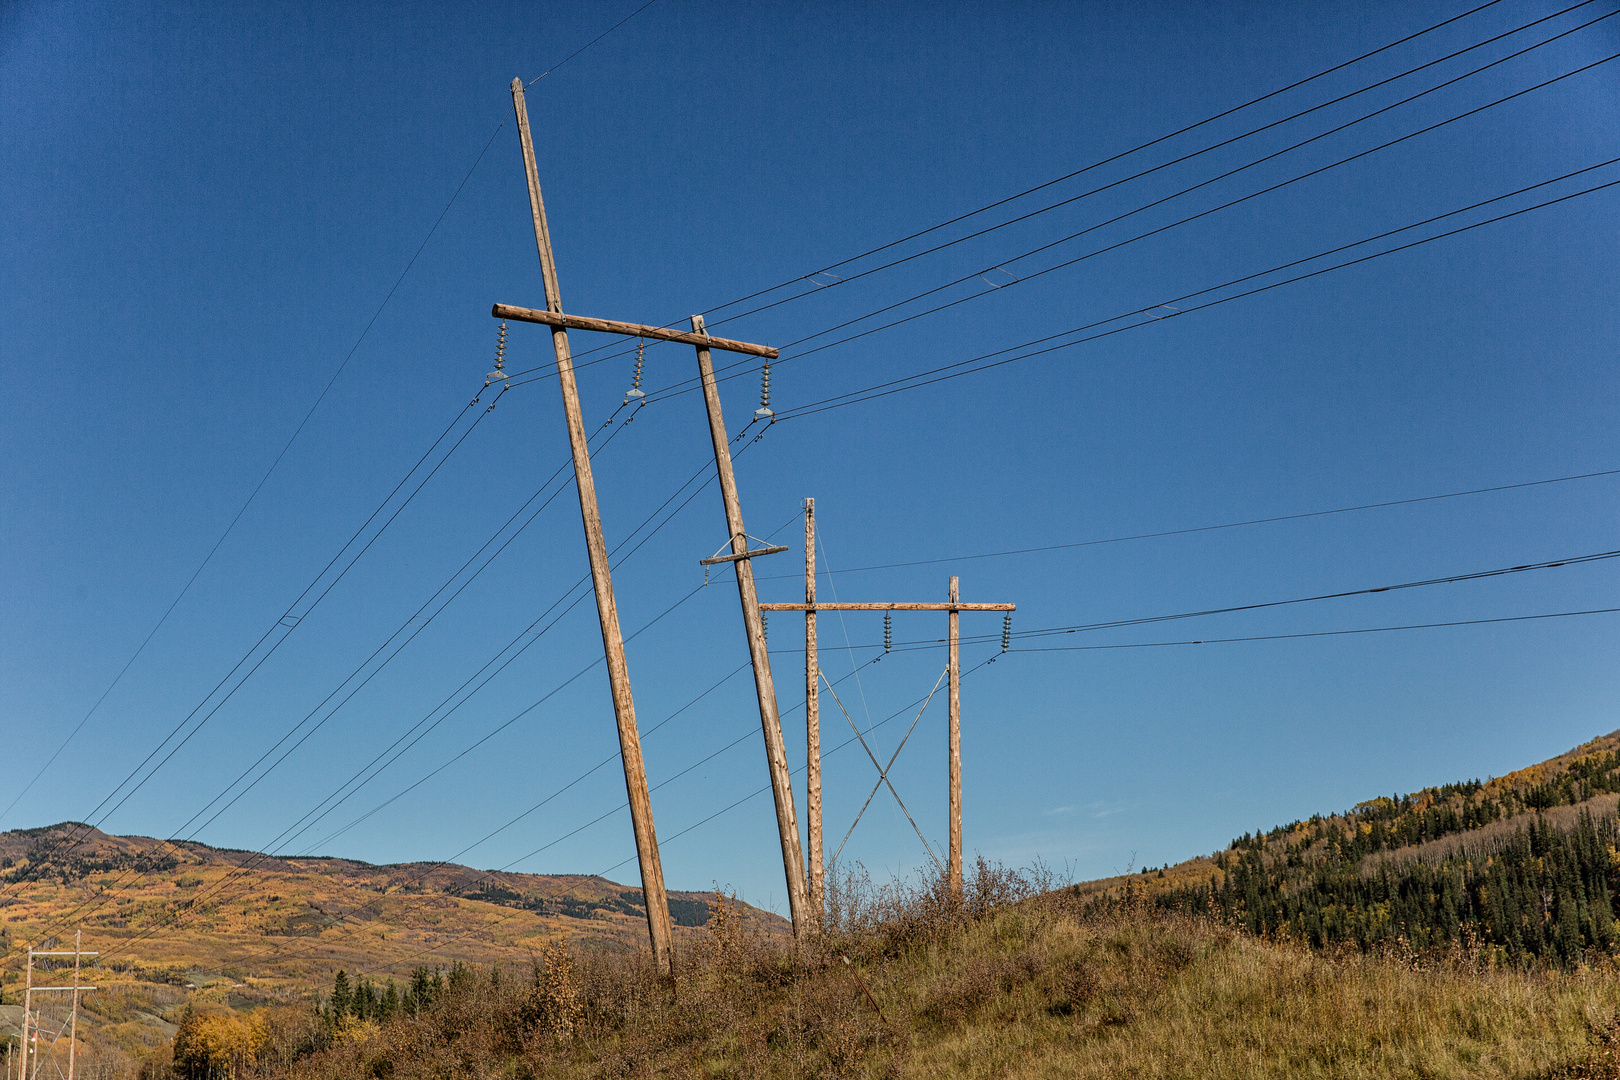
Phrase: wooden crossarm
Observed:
(888, 607)
(613, 326)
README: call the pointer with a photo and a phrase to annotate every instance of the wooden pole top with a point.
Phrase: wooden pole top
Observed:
(614, 326)
(891, 606)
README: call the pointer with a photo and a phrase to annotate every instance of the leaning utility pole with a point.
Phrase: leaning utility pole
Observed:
(624, 709)
(618, 676)
(805, 921)
(812, 679)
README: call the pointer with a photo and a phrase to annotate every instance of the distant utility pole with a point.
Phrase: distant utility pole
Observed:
(30, 1051)
(812, 679)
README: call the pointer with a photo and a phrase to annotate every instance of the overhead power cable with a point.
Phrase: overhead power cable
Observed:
(1205, 150)
(576, 780)
(1318, 633)
(307, 822)
(1171, 307)
(1204, 528)
(296, 612)
(1478, 575)
(1139, 209)
(414, 625)
(830, 268)
(303, 824)
(743, 367)
(254, 494)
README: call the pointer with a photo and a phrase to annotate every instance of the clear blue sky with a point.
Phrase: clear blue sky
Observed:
(203, 210)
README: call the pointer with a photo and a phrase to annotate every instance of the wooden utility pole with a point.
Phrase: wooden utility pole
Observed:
(804, 921)
(954, 667)
(31, 1072)
(624, 709)
(812, 678)
(618, 676)
(812, 719)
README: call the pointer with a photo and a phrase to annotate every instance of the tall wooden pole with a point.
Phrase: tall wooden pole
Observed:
(954, 869)
(787, 824)
(73, 1039)
(624, 709)
(28, 1004)
(812, 717)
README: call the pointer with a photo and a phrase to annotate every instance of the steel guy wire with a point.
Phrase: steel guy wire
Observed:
(589, 43)
(760, 791)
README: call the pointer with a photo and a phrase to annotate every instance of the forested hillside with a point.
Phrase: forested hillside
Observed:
(1526, 866)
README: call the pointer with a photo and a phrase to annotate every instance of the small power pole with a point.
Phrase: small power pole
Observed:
(812, 680)
(812, 718)
(30, 1048)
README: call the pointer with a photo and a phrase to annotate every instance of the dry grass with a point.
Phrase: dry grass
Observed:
(1016, 982)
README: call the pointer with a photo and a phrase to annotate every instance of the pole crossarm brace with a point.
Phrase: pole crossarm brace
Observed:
(880, 606)
(744, 555)
(630, 329)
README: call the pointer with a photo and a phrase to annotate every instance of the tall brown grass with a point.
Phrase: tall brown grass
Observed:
(1013, 979)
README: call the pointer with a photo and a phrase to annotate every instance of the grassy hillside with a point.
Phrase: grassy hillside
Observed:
(1018, 982)
(183, 922)
(1525, 865)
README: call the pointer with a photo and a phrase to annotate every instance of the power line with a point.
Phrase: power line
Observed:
(1478, 575)
(962, 367)
(104, 896)
(280, 624)
(1126, 153)
(1204, 150)
(306, 823)
(998, 266)
(1318, 633)
(1209, 528)
(1190, 218)
(120, 885)
(263, 479)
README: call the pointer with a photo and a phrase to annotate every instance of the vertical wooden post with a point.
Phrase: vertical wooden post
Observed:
(775, 751)
(28, 1004)
(812, 718)
(954, 869)
(624, 709)
(73, 1038)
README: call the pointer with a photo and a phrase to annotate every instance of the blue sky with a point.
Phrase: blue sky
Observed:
(205, 208)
